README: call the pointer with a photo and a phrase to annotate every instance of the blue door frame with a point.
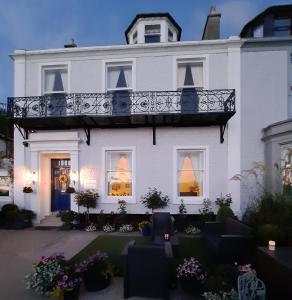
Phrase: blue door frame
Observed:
(60, 180)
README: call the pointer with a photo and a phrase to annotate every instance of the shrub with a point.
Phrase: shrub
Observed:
(191, 268)
(268, 232)
(154, 199)
(224, 213)
(87, 199)
(224, 201)
(13, 218)
(126, 228)
(67, 216)
(9, 207)
(269, 208)
(192, 230)
(206, 212)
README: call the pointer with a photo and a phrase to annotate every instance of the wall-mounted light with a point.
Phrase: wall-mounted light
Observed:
(33, 177)
(73, 177)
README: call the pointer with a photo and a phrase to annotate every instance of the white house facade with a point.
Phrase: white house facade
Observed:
(184, 117)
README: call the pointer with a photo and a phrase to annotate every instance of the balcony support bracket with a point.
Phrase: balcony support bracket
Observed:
(222, 131)
(24, 134)
(154, 131)
(87, 132)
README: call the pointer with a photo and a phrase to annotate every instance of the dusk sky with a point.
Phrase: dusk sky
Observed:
(41, 24)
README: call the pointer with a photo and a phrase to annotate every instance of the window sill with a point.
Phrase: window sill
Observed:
(190, 200)
(116, 199)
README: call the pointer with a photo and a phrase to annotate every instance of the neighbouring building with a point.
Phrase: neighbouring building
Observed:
(6, 143)
(181, 116)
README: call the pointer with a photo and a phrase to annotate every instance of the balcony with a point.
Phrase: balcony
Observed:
(123, 109)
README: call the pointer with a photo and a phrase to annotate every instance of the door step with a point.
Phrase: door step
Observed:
(49, 222)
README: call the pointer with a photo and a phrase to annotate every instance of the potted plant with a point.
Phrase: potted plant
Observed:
(87, 199)
(67, 217)
(144, 227)
(192, 276)
(27, 189)
(224, 211)
(68, 282)
(44, 276)
(154, 199)
(98, 272)
(70, 190)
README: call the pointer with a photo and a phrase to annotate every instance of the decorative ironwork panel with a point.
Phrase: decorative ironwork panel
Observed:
(186, 101)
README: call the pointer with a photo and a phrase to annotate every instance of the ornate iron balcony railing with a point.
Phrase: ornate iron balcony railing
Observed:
(124, 103)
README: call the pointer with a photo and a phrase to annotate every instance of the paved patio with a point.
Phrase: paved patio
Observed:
(19, 249)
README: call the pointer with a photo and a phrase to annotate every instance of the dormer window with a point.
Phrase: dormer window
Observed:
(282, 27)
(135, 37)
(258, 31)
(152, 33)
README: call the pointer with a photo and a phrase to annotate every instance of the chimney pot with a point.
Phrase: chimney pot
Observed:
(71, 44)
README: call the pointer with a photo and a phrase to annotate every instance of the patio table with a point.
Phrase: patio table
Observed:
(158, 240)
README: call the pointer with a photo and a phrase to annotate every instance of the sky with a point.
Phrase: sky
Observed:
(43, 24)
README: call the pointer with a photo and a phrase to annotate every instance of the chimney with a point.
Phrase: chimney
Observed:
(212, 25)
(71, 44)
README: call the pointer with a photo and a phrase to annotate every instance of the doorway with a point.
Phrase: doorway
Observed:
(60, 181)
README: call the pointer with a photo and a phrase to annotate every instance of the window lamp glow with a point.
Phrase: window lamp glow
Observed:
(119, 174)
(190, 173)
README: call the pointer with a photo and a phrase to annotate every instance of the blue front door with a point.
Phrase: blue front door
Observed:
(59, 183)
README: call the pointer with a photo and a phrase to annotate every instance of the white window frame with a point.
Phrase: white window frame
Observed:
(54, 66)
(191, 59)
(118, 63)
(115, 199)
(151, 34)
(196, 200)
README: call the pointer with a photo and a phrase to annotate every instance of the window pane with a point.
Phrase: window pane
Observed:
(258, 31)
(152, 29)
(119, 77)
(282, 22)
(119, 173)
(278, 32)
(152, 39)
(170, 35)
(56, 80)
(195, 76)
(190, 173)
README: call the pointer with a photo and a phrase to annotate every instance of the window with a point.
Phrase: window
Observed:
(190, 74)
(282, 27)
(135, 37)
(170, 35)
(119, 173)
(4, 186)
(152, 33)
(258, 31)
(119, 77)
(190, 173)
(55, 80)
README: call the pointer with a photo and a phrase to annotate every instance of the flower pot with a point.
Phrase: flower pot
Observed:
(72, 294)
(191, 286)
(94, 280)
(145, 231)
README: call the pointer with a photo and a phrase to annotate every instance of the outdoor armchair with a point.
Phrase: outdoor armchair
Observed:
(146, 271)
(229, 242)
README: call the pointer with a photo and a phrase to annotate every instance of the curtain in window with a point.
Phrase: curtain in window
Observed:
(184, 71)
(119, 173)
(121, 102)
(190, 173)
(114, 75)
(55, 81)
